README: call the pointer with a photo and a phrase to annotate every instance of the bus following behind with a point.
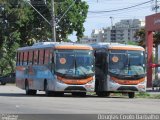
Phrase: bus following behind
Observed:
(119, 68)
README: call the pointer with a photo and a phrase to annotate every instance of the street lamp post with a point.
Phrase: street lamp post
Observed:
(111, 21)
(53, 23)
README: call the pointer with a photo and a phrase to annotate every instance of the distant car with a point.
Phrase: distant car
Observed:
(9, 78)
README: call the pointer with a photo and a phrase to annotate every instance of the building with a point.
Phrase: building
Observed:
(122, 32)
(87, 40)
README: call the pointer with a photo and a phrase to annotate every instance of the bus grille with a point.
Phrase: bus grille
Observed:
(127, 88)
(75, 88)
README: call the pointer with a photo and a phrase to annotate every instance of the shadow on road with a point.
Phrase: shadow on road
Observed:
(64, 96)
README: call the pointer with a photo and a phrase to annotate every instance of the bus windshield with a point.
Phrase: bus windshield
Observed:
(128, 63)
(74, 63)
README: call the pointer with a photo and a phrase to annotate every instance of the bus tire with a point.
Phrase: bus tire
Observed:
(3, 83)
(101, 94)
(58, 94)
(131, 94)
(47, 92)
(81, 94)
(28, 91)
(107, 94)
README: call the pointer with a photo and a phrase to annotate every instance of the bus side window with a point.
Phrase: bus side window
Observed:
(47, 53)
(35, 57)
(41, 53)
(21, 58)
(30, 57)
(44, 55)
(25, 58)
(38, 57)
(51, 60)
(17, 58)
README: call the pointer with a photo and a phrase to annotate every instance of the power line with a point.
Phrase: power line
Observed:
(117, 13)
(121, 8)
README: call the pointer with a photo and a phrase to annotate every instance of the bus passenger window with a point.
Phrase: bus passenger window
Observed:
(43, 56)
(21, 58)
(35, 57)
(30, 57)
(41, 53)
(46, 56)
(17, 58)
(25, 58)
(38, 57)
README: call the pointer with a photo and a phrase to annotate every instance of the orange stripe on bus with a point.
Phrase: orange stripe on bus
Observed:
(127, 82)
(74, 47)
(75, 81)
(126, 48)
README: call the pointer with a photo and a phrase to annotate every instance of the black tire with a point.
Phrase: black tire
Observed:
(28, 91)
(79, 94)
(131, 94)
(58, 94)
(101, 94)
(47, 92)
(82, 94)
(3, 83)
(107, 94)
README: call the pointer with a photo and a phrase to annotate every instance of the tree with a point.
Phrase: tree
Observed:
(140, 35)
(21, 26)
(72, 21)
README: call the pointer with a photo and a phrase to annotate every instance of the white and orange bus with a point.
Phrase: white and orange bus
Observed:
(119, 68)
(56, 68)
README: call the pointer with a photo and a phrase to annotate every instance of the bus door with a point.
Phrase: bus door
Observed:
(100, 67)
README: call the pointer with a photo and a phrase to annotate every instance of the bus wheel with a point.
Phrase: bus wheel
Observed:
(28, 91)
(3, 83)
(81, 94)
(58, 94)
(46, 89)
(101, 94)
(131, 94)
(107, 94)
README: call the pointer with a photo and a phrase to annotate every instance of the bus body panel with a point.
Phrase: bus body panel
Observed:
(40, 70)
(104, 79)
(116, 87)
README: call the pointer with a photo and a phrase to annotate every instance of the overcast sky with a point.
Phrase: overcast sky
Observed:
(101, 20)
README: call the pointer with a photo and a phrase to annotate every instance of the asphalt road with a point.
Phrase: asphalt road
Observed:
(14, 101)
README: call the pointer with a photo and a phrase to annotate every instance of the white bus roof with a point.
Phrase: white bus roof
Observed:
(58, 45)
(118, 46)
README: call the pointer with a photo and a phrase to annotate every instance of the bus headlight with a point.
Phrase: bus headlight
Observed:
(141, 86)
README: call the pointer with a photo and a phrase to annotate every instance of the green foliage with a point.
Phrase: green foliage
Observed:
(132, 43)
(143, 95)
(21, 26)
(141, 36)
(72, 21)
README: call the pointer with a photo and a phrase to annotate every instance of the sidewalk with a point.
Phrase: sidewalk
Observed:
(155, 91)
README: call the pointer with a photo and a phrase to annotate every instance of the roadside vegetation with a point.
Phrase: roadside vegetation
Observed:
(22, 26)
(146, 95)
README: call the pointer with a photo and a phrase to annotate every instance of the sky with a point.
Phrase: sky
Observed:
(103, 20)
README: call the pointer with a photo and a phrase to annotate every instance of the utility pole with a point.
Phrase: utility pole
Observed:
(53, 23)
(111, 21)
(156, 6)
